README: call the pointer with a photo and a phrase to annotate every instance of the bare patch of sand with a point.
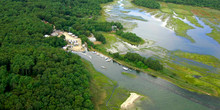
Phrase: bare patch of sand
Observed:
(97, 42)
(130, 101)
(77, 47)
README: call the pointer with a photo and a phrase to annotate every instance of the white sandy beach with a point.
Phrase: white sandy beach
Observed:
(130, 101)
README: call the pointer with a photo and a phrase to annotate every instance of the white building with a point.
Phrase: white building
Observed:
(46, 35)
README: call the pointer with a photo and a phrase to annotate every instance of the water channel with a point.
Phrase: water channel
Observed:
(163, 95)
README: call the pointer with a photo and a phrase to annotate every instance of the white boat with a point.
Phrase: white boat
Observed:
(108, 60)
(65, 48)
(101, 55)
(94, 52)
(103, 67)
(83, 53)
(90, 56)
(125, 68)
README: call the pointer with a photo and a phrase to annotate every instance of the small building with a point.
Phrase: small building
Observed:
(83, 45)
(65, 47)
(92, 39)
(75, 43)
(70, 33)
(54, 34)
(57, 33)
(46, 35)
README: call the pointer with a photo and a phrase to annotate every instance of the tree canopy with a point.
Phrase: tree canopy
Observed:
(42, 78)
(35, 73)
(129, 36)
(100, 37)
(141, 62)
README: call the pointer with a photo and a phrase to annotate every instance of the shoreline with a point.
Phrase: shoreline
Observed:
(167, 78)
(178, 93)
(102, 88)
(130, 101)
(174, 80)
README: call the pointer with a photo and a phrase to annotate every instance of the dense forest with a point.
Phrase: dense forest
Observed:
(129, 36)
(147, 3)
(139, 61)
(42, 78)
(35, 73)
(99, 37)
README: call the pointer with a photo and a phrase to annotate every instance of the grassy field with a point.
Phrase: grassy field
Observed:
(134, 18)
(164, 8)
(185, 75)
(207, 81)
(205, 59)
(164, 17)
(179, 27)
(102, 87)
(193, 21)
(158, 15)
(215, 34)
(111, 38)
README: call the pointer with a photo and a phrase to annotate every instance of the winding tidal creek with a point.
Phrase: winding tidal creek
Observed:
(149, 27)
(162, 95)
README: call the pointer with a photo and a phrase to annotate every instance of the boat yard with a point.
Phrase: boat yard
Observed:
(74, 43)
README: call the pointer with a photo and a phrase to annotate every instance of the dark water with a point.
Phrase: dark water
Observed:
(163, 95)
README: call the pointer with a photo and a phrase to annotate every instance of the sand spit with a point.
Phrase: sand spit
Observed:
(130, 101)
